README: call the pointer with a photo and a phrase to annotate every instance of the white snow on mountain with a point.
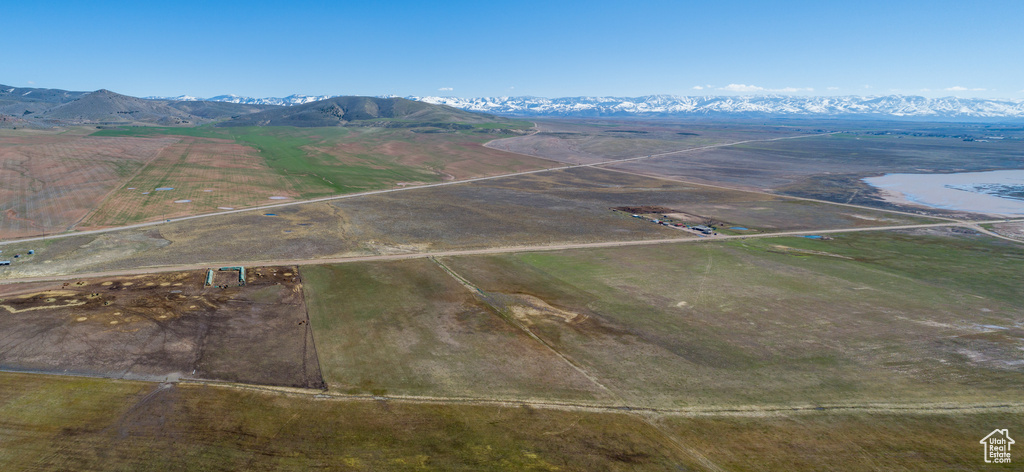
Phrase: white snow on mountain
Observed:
(231, 98)
(672, 105)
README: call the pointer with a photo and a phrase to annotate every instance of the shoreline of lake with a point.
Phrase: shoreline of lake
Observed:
(962, 191)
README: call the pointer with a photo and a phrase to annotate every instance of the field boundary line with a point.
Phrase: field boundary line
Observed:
(947, 407)
(937, 407)
(309, 329)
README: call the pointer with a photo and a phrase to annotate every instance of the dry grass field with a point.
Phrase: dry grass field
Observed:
(845, 441)
(203, 176)
(830, 167)
(51, 423)
(159, 327)
(826, 167)
(450, 156)
(570, 206)
(883, 350)
(66, 423)
(324, 161)
(590, 141)
(408, 328)
(49, 181)
(862, 318)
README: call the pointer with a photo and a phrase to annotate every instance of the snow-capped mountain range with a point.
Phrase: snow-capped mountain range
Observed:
(898, 106)
(286, 101)
(888, 106)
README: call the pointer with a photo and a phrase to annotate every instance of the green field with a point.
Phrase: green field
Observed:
(846, 441)
(60, 423)
(880, 317)
(408, 328)
(302, 154)
(873, 350)
(210, 169)
(66, 423)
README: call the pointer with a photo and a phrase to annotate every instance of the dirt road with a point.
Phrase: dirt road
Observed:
(498, 250)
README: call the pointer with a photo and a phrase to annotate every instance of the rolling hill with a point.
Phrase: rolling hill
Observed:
(215, 110)
(23, 101)
(362, 111)
(104, 106)
(55, 107)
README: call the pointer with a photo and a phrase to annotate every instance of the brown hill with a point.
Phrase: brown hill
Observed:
(19, 101)
(8, 121)
(104, 106)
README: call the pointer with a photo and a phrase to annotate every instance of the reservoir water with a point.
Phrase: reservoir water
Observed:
(999, 192)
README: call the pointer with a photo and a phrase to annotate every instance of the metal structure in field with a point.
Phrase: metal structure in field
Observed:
(241, 275)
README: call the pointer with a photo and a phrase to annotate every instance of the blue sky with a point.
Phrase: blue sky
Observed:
(540, 48)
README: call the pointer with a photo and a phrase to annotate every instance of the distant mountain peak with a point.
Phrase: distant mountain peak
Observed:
(341, 111)
(291, 100)
(664, 105)
(887, 106)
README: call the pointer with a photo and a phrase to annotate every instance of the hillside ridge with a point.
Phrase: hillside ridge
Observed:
(375, 111)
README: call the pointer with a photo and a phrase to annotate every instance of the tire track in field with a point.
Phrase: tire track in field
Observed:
(740, 411)
(703, 280)
(674, 441)
(525, 329)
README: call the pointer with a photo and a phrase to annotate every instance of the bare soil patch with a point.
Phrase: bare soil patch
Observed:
(162, 326)
(643, 210)
(1010, 230)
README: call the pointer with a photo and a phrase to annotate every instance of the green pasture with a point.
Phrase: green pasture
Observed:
(288, 152)
(57, 423)
(879, 317)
